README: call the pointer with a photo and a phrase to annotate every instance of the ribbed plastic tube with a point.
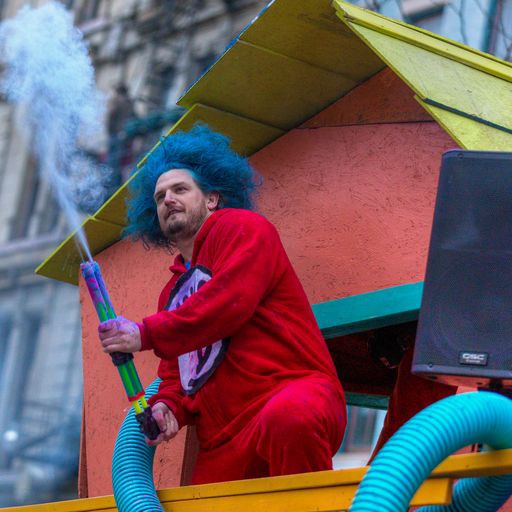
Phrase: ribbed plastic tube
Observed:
(132, 466)
(409, 457)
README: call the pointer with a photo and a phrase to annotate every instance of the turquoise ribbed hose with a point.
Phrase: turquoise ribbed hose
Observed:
(477, 495)
(132, 466)
(409, 457)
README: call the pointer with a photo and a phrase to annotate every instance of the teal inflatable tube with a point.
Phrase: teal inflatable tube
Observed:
(132, 466)
(409, 457)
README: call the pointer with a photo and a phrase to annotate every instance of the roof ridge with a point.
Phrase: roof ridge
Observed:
(427, 40)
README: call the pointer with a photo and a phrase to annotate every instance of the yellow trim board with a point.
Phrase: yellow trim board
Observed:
(308, 492)
(443, 80)
(467, 133)
(421, 38)
(247, 136)
(64, 263)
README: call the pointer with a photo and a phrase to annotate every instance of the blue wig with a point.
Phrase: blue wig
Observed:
(214, 166)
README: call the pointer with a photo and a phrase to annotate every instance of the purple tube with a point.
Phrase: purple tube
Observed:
(94, 290)
(103, 289)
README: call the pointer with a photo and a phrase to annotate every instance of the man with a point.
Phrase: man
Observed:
(241, 354)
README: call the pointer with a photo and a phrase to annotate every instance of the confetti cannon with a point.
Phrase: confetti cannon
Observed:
(123, 361)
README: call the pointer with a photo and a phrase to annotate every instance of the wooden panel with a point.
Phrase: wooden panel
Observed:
(491, 463)
(390, 306)
(326, 499)
(383, 98)
(353, 204)
(267, 87)
(470, 134)
(247, 136)
(320, 491)
(355, 16)
(64, 263)
(445, 80)
(310, 31)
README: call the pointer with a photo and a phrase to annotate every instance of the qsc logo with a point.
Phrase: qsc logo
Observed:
(474, 358)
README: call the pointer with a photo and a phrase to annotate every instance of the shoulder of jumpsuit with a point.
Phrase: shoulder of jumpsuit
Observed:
(228, 219)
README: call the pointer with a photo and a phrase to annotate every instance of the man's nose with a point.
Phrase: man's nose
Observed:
(169, 198)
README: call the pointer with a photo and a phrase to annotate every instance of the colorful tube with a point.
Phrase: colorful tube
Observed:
(94, 291)
(132, 467)
(123, 361)
(409, 457)
(123, 373)
(103, 289)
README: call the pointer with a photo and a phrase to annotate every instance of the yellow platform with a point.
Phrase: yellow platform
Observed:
(325, 491)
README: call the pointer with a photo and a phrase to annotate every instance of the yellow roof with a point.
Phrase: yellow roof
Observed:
(297, 58)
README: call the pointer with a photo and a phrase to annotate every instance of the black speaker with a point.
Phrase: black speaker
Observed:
(464, 334)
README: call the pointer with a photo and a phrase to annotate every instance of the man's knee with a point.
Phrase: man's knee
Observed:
(301, 413)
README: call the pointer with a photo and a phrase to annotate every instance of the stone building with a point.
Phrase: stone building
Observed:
(155, 49)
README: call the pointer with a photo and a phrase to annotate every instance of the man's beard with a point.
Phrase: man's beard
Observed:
(186, 229)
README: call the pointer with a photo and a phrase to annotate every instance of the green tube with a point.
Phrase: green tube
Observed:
(125, 377)
(134, 377)
(102, 313)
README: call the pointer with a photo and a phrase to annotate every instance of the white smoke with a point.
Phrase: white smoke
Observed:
(48, 75)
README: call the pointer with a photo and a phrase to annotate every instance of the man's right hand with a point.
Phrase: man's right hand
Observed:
(166, 421)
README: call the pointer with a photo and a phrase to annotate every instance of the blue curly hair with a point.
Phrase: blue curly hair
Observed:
(214, 166)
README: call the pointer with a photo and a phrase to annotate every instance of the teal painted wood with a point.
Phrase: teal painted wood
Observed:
(366, 400)
(366, 311)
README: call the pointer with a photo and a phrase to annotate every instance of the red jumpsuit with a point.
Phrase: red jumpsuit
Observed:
(242, 356)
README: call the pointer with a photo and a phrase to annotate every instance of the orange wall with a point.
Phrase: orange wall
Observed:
(354, 204)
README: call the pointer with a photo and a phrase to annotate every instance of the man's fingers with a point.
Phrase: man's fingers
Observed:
(174, 427)
(108, 325)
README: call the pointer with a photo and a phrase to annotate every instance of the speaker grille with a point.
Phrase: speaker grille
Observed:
(467, 300)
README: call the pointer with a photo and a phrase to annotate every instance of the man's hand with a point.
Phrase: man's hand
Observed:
(119, 335)
(166, 421)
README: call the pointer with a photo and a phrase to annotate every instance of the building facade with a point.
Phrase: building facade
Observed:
(145, 54)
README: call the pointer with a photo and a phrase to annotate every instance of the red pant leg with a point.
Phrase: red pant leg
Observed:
(411, 394)
(301, 428)
(298, 430)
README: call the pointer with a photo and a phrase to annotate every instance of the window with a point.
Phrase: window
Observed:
(363, 426)
(26, 202)
(429, 19)
(5, 331)
(87, 11)
(37, 212)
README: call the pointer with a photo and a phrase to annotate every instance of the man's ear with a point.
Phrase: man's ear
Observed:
(213, 201)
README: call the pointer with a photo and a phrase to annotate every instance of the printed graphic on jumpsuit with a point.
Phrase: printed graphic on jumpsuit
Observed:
(196, 367)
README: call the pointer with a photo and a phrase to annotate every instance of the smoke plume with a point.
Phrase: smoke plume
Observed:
(48, 75)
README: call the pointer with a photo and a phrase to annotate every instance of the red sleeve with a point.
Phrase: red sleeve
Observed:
(170, 391)
(246, 253)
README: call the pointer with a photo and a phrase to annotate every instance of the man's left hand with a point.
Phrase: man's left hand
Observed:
(119, 335)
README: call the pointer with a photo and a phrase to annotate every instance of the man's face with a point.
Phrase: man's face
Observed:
(182, 207)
